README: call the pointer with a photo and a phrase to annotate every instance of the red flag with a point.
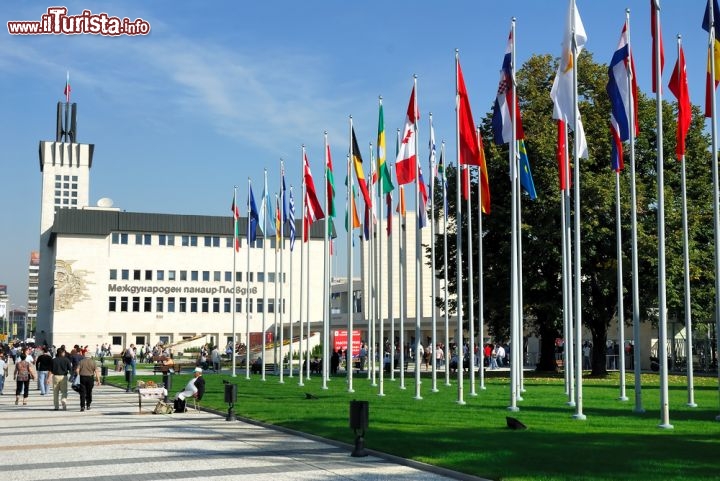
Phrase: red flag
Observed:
(469, 152)
(562, 160)
(313, 210)
(657, 43)
(679, 87)
(406, 161)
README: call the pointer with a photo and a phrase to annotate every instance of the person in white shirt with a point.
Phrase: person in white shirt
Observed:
(3, 372)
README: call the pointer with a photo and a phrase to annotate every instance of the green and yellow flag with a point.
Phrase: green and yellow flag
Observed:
(382, 168)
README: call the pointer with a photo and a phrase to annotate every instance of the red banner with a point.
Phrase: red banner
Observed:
(340, 340)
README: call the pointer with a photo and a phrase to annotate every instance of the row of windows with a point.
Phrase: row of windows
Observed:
(123, 238)
(66, 190)
(193, 276)
(66, 178)
(189, 304)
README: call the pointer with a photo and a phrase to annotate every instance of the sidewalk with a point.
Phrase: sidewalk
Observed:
(114, 442)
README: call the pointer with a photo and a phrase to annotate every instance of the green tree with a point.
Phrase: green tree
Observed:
(541, 223)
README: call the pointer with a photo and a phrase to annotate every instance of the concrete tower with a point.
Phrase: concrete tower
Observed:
(65, 167)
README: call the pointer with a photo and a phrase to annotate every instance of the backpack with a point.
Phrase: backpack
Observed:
(127, 359)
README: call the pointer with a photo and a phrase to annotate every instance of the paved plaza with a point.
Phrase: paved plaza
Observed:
(115, 442)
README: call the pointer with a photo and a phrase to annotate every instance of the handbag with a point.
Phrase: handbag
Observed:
(75, 382)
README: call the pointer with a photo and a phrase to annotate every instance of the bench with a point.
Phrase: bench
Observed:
(154, 393)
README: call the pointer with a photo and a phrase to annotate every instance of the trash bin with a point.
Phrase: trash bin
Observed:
(359, 417)
(230, 399)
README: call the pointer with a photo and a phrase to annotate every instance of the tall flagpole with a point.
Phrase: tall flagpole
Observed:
(636, 346)
(306, 245)
(481, 300)
(446, 347)
(662, 308)
(458, 235)
(326, 274)
(620, 308)
(234, 296)
(281, 304)
(576, 265)
(381, 341)
(372, 278)
(391, 300)
(403, 275)
(433, 309)
(471, 281)
(349, 348)
(291, 219)
(570, 349)
(265, 276)
(247, 289)
(276, 292)
(514, 288)
(418, 257)
(716, 189)
(302, 268)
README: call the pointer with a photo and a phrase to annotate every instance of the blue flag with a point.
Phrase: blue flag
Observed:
(526, 179)
(291, 218)
(253, 219)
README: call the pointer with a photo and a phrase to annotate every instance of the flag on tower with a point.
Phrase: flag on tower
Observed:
(68, 89)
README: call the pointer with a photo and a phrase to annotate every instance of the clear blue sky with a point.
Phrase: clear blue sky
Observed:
(219, 90)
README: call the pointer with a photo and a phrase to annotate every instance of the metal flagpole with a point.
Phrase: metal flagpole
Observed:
(381, 340)
(418, 258)
(391, 300)
(481, 302)
(514, 294)
(403, 275)
(350, 312)
(636, 345)
(265, 276)
(247, 290)
(234, 278)
(662, 308)
(458, 236)
(281, 305)
(276, 300)
(569, 360)
(620, 308)
(716, 193)
(306, 245)
(433, 309)
(291, 219)
(326, 274)
(372, 278)
(471, 281)
(446, 348)
(576, 265)
(302, 268)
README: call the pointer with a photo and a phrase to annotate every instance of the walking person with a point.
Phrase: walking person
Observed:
(3, 371)
(61, 368)
(23, 374)
(89, 375)
(43, 365)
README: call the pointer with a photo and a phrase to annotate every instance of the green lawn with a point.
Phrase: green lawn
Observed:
(612, 444)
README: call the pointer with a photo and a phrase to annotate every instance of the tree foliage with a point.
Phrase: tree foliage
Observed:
(541, 219)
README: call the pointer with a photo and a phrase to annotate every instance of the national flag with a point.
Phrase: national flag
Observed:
(422, 209)
(483, 174)
(358, 163)
(442, 175)
(622, 98)
(382, 167)
(432, 149)
(561, 158)
(679, 87)
(657, 43)
(366, 223)
(265, 209)
(236, 218)
(712, 81)
(312, 204)
(406, 161)
(291, 219)
(353, 209)
(526, 180)
(469, 154)
(67, 89)
(564, 106)
(330, 183)
(503, 109)
(253, 219)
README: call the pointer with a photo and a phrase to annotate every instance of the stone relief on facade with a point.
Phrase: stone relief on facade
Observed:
(70, 286)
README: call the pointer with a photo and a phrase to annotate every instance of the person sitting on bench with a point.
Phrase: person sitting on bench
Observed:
(194, 388)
